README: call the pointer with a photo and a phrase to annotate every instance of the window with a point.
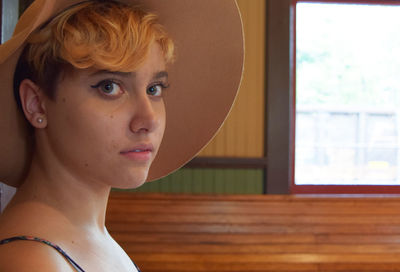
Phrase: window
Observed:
(347, 119)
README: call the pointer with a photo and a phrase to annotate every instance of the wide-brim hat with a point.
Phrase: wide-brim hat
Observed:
(205, 78)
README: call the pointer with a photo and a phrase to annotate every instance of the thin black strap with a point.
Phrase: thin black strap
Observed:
(30, 238)
(65, 255)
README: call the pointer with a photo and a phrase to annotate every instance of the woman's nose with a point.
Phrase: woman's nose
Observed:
(144, 118)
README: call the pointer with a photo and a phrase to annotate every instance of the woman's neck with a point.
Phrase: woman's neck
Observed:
(53, 193)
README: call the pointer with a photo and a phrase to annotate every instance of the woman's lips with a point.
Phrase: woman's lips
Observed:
(139, 153)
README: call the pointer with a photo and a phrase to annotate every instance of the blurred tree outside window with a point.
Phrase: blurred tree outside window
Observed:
(347, 94)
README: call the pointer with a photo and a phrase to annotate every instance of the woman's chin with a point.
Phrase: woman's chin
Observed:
(131, 182)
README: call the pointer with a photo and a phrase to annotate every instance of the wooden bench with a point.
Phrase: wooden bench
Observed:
(257, 233)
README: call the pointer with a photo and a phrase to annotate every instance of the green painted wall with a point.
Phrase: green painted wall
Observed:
(208, 181)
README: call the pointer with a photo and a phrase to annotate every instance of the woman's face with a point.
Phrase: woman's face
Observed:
(107, 126)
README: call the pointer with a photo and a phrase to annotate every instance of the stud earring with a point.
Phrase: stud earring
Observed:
(40, 120)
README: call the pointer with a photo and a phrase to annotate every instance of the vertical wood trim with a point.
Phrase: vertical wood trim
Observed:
(279, 98)
(9, 16)
(1, 31)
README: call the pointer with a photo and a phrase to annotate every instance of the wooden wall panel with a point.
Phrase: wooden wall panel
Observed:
(243, 133)
(208, 181)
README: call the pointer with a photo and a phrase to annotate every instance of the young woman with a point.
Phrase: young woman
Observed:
(94, 83)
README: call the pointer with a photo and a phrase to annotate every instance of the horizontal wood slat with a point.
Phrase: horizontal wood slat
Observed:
(257, 233)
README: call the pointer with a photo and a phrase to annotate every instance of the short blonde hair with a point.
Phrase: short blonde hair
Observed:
(101, 34)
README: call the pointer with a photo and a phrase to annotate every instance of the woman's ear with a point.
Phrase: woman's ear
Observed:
(32, 101)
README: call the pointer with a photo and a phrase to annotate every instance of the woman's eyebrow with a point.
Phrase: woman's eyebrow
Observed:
(156, 75)
(160, 74)
(118, 73)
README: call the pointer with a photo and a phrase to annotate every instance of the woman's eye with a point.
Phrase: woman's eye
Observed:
(156, 90)
(108, 88)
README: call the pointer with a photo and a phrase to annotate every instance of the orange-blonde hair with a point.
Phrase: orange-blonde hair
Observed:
(105, 35)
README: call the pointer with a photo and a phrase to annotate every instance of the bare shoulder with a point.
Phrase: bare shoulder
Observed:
(31, 256)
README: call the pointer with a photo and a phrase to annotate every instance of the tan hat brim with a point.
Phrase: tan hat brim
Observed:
(204, 79)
